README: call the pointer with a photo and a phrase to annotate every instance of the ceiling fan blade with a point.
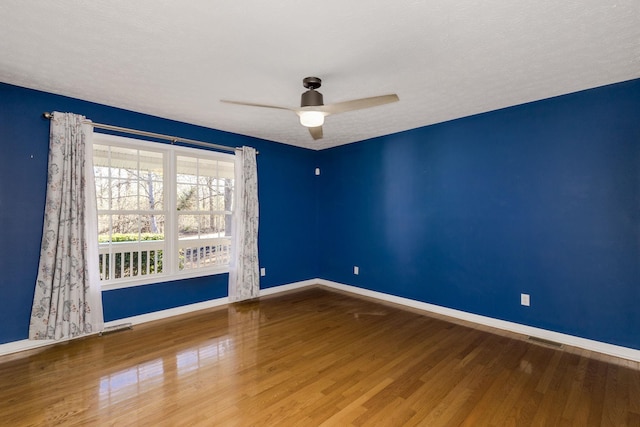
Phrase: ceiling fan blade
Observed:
(251, 104)
(316, 132)
(358, 104)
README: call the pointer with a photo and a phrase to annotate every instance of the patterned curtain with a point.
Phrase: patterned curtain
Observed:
(244, 274)
(67, 300)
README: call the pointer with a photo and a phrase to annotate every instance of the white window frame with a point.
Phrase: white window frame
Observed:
(170, 254)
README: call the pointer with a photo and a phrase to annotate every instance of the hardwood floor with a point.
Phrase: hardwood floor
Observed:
(314, 357)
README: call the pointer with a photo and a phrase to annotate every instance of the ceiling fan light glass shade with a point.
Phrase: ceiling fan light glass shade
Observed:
(311, 119)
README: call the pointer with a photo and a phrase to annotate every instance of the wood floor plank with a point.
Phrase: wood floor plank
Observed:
(315, 357)
(577, 409)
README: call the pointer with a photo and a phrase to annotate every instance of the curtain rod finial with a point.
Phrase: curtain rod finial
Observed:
(47, 115)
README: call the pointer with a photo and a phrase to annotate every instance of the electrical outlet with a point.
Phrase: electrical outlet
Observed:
(263, 271)
(356, 269)
(525, 300)
(317, 171)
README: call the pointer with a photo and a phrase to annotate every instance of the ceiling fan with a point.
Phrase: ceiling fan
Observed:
(312, 110)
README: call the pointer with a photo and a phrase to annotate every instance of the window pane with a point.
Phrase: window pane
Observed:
(151, 195)
(102, 192)
(212, 226)
(204, 226)
(225, 170)
(152, 227)
(125, 225)
(228, 184)
(202, 253)
(187, 197)
(100, 155)
(151, 185)
(187, 168)
(104, 228)
(124, 194)
(128, 178)
(207, 226)
(126, 253)
(152, 164)
(206, 195)
(207, 171)
(213, 191)
(188, 226)
(123, 159)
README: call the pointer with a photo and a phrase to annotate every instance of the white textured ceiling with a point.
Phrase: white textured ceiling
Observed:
(177, 59)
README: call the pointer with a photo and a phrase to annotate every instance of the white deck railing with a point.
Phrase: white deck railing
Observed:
(126, 260)
(199, 253)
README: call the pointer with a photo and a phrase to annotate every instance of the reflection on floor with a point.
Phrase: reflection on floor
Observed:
(311, 357)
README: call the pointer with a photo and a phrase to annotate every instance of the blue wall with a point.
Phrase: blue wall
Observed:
(542, 198)
(286, 192)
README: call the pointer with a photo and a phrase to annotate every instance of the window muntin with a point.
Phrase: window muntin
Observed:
(163, 212)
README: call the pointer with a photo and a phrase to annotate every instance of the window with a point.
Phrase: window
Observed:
(164, 212)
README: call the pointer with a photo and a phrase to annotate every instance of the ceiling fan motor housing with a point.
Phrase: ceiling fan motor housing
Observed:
(311, 98)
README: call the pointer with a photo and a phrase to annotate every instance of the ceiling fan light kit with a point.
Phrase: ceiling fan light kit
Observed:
(311, 119)
(312, 110)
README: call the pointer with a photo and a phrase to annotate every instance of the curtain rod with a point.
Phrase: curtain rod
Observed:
(173, 139)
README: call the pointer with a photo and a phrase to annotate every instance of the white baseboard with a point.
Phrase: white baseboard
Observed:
(22, 345)
(587, 344)
(289, 287)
